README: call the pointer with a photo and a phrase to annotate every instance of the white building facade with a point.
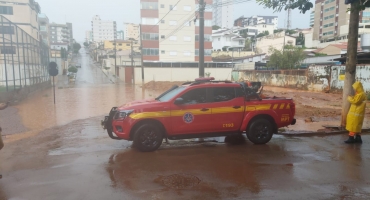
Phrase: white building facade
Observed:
(223, 13)
(227, 39)
(103, 30)
(131, 31)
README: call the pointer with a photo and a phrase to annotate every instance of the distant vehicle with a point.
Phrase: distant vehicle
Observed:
(202, 108)
(78, 66)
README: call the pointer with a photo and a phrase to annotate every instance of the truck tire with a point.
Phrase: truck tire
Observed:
(148, 137)
(260, 131)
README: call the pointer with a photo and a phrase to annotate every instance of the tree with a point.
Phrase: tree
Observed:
(86, 44)
(215, 27)
(248, 44)
(289, 58)
(356, 7)
(265, 33)
(300, 39)
(76, 47)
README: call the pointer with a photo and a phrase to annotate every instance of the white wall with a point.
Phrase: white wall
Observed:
(179, 74)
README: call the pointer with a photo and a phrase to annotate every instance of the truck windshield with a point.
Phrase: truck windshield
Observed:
(170, 93)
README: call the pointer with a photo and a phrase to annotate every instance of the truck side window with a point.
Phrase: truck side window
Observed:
(239, 92)
(195, 96)
(223, 94)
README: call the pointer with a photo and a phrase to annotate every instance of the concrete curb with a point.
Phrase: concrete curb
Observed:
(321, 133)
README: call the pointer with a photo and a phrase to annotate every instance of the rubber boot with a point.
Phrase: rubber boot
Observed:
(350, 140)
(358, 139)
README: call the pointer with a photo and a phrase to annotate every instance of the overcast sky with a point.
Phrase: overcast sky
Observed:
(81, 12)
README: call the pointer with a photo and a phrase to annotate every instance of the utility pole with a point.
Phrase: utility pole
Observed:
(202, 7)
(132, 61)
(142, 63)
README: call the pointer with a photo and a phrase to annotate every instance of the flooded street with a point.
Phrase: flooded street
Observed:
(61, 152)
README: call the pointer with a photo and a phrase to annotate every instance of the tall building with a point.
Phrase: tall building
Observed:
(23, 13)
(365, 16)
(120, 35)
(312, 18)
(257, 19)
(329, 17)
(223, 13)
(44, 28)
(176, 36)
(131, 31)
(88, 37)
(103, 30)
(61, 33)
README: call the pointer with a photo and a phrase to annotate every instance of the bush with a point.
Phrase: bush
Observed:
(72, 69)
(368, 96)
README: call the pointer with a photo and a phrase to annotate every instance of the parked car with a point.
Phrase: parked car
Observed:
(202, 108)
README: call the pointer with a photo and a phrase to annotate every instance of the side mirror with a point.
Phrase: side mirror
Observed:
(179, 101)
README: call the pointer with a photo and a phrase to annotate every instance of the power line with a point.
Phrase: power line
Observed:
(227, 3)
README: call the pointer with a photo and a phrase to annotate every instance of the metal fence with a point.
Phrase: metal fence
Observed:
(23, 59)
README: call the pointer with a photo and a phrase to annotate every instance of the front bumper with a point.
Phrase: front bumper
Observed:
(107, 124)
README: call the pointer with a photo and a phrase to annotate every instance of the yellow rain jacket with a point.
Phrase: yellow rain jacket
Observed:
(356, 114)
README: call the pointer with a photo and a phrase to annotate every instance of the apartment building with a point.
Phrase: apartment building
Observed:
(44, 28)
(312, 18)
(223, 13)
(256, 20)
(120, 35)
(103, 30)
(132, 31)
(61, 33)
(88, 36)
(23, 13)
(121, 45)
(330, 15)
(176, 36)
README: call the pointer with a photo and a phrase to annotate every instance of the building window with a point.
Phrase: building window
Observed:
(187, 53)
(128, 45)
(328, 1)
(7, 49)
(173, 53)
(328, 33)
(328, 17)
(187, 8)
(150, 36)
(207, 38)
(150, 52)
(149, 21)
(162, 5)
(241, 42)
(7, 30)
(173, 38)
(149, 5)
(173, 23)
(328, 25)
(329, 9)
(163, 37)
(187, 38)
(163, 52)
(162, 21)
(6, 10)
(207, 52)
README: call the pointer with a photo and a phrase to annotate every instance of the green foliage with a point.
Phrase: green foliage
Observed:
(86, 44)
(300, 40)
(290, 32)
(76, 47)
(278, 30)
(73, 69)
(368, 96)
(248, 44)
(289, 58)
(279, 5)
(215, 27)
(265, 33)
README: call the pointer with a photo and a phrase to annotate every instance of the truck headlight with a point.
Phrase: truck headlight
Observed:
(122, 114)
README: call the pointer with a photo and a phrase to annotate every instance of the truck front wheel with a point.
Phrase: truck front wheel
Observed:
(260, 131)
(148, 137)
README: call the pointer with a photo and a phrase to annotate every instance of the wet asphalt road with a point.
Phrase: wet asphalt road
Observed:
(64, 154)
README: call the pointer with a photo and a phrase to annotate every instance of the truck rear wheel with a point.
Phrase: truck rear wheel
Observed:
(148, 137)
(260, 131)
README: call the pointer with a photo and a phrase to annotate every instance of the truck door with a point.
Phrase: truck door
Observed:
(193, 115)
(228, 107)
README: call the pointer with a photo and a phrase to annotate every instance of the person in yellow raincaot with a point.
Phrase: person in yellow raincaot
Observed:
(356, 114)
